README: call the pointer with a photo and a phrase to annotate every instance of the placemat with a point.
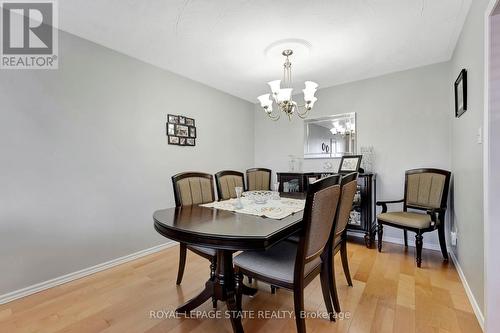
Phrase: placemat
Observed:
(273, 209)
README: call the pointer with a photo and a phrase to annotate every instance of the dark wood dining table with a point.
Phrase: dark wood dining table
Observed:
(227, 232)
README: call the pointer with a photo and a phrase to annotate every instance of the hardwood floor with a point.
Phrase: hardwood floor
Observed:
(389, 295)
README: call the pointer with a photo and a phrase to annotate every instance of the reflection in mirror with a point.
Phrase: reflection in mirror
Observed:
(331, 136)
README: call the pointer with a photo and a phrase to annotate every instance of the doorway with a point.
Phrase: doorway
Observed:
(492, 166)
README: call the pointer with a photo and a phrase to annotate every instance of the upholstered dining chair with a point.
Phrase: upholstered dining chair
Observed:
(293, 266)
(425, 190)
(227, 181)
(338, 243)
(338, 238)
(193, 188)
(258, 179)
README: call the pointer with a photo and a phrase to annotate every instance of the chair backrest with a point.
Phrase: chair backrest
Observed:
(319, 215)
(193, 188)
(426, 188)
(348, 188)
(259, 179)
(226, 181)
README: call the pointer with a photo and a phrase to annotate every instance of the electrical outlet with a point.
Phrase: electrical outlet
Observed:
(480, 135)
(454, 238)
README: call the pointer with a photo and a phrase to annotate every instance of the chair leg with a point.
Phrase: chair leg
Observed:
(332, 284)
(239, 289)
(406, 237)
(418, 244)
(442, 241)
(326, 291)
(298, 302)
(345, 262)
(273, 289)
(380, 231)
(182, 262)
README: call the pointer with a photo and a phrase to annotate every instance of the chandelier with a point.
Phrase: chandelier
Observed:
(282, 97)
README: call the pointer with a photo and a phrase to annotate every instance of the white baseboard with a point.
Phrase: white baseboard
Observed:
(81, 273)
(397, 240)
(468, 291)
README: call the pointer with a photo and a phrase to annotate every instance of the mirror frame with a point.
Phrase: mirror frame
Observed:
(331, 117)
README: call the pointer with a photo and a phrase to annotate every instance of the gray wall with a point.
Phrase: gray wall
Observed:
(404, 115)
(84, 159)
(467, 154)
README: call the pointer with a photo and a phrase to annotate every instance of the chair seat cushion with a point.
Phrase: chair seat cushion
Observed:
(407, 219)
(205, 250)
(277, 263)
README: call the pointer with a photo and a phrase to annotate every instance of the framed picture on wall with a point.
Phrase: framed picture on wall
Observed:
(461, 93)
(182, 130)
(173, 140)
(172, 119)
(170, 129)
(350, 163)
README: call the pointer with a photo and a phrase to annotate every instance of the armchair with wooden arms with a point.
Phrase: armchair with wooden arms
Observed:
(425, 190)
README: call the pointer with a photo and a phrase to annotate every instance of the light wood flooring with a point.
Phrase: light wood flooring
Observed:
(389, 295)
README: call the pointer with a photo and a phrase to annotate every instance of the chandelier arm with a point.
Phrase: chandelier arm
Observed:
(274, 115)
(304, 113)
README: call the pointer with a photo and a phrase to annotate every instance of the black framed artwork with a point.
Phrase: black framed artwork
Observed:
(173, 140)
(350, 163)
(461, 93)
(181, 130)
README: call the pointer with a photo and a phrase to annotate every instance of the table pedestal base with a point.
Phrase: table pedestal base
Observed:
(222, 288)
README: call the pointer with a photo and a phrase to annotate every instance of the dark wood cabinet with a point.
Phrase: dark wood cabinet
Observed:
(362, 219)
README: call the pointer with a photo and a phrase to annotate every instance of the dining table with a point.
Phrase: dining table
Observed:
(226, 232)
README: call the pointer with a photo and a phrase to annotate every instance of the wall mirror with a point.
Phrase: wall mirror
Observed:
(331, 136)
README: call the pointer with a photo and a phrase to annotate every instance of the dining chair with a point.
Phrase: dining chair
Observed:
(259, 179)
(193, 188)
(294, 265)
(425, 190)
(226, 181)
(338, 238)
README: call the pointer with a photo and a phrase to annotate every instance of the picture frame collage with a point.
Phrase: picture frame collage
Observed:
(181, 130)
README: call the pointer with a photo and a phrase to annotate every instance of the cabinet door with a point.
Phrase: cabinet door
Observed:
(291, 183)
(356, 217)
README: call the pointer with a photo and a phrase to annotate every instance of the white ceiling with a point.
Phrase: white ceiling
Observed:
(221, 42)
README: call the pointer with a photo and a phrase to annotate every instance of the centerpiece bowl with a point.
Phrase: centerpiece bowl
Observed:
(258, 197)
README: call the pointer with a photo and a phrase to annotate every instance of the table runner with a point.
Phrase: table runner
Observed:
(273, 209)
